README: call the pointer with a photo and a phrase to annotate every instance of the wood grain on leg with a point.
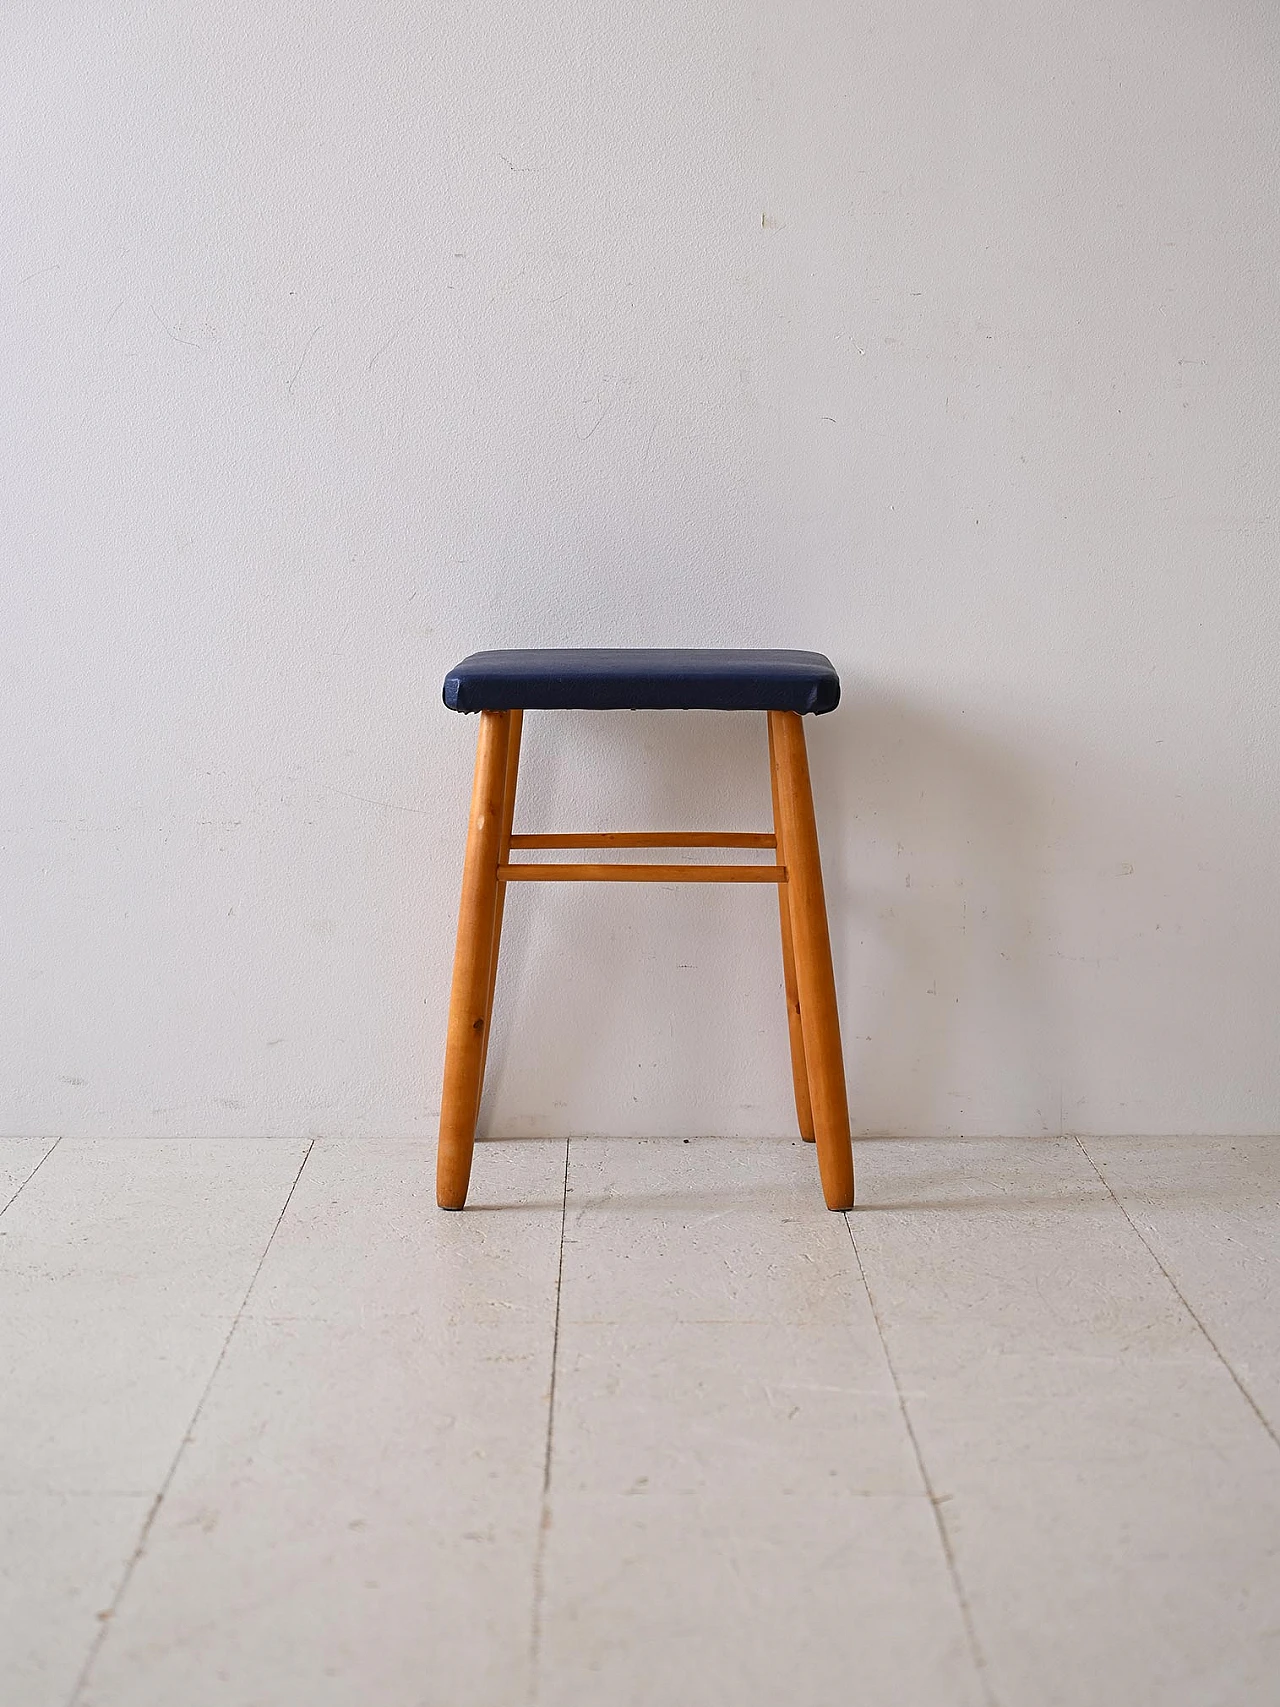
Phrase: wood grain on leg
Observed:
(468, 1003)
(504, 851)
(815, 976)
(795, 1027)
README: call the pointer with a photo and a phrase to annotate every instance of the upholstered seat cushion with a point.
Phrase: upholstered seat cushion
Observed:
(637, 679)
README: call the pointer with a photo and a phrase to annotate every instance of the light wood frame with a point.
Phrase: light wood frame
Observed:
(813, 1021)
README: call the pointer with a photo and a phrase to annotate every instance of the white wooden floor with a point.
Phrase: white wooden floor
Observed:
(646, 1425)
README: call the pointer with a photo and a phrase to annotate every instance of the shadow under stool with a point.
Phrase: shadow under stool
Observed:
(501, 687)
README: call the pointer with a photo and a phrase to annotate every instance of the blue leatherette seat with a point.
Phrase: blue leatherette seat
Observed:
(638, 679)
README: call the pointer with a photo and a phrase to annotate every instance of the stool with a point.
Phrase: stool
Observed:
(502, 686)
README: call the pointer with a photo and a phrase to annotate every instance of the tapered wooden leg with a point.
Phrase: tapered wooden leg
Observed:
(795, 1028)
(473, 957)
(504, 851)
(815, 976)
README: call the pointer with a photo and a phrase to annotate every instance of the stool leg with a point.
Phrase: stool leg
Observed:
(815, 976)
(504, 852)
(795, 1027)
(464, 1050)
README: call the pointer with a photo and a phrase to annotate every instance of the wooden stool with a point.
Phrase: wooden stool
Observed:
(502, 686)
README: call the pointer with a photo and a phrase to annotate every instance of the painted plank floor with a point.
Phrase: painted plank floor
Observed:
(644, 1426)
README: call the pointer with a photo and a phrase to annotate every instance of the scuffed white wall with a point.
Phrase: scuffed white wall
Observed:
(338, 341)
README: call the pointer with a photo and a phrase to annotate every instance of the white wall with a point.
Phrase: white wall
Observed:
(341, 340)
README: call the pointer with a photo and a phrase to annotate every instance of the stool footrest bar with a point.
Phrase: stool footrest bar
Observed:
(527, 871)
(650, 839)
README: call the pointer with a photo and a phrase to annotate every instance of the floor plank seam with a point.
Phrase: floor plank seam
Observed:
(1181, 1296)
(935, 1500)
(26, 1182)
(544, 1516)
(148, 1522)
